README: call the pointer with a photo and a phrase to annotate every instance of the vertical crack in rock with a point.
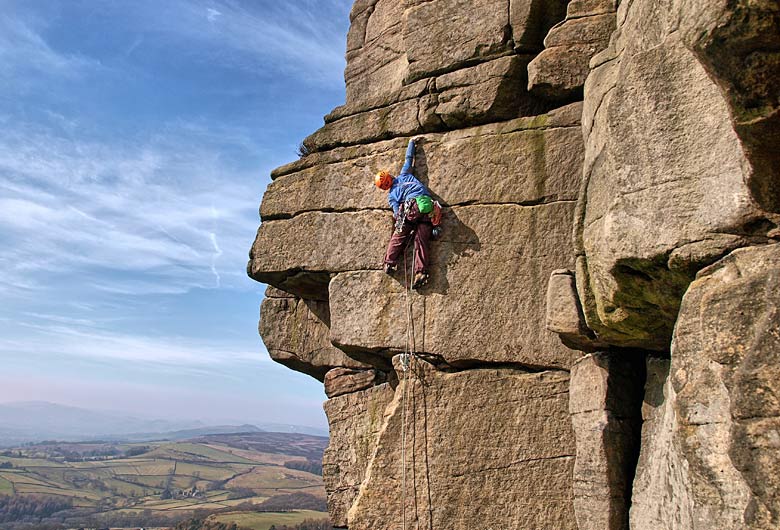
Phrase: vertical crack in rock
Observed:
(605, 405)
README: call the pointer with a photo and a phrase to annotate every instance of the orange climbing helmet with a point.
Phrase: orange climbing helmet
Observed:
(383, 180)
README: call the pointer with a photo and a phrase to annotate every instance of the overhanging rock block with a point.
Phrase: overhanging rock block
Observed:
(666, 188)
(296, 334)
(289, 254)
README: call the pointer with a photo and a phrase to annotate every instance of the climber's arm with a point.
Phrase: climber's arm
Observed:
(409, 163)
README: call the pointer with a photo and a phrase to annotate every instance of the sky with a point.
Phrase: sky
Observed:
(136, 140)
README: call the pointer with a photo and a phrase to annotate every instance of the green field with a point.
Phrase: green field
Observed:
(168, 477)
(263, 521)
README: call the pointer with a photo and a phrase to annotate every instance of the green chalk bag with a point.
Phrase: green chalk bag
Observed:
(424, 204)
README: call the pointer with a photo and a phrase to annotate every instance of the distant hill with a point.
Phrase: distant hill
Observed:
(36, 421)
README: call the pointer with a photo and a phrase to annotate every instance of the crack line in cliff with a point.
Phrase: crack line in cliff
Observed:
(383, 145)
(544, 201)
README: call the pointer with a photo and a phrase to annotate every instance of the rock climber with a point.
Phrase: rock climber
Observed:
(413, 209)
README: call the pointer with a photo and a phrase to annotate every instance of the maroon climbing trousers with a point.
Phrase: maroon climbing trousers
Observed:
(420, 225)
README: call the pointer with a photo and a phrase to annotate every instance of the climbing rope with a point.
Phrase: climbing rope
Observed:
(409, 349)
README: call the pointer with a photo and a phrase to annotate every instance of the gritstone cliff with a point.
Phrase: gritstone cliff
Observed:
(600, 341)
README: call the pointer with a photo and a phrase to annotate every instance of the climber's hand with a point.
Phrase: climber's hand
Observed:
(418, 139)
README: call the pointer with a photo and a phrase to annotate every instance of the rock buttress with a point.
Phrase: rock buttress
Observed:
(489, 437)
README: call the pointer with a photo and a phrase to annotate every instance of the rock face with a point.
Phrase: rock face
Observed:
(609, 176)
(720, 416)
(522, 436)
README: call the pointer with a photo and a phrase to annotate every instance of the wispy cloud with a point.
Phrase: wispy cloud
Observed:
(78, 339)
(68, 205)
(25, 53)
(296, 38)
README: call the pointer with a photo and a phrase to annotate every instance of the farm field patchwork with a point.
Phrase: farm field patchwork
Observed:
(264, 521)
(212, 474)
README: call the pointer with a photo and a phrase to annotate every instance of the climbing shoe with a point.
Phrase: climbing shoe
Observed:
(420, 279)
(390, 268)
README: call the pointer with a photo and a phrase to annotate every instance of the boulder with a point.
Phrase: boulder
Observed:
(296, 334)
(426, 470)
(340, 381)
(355, 420)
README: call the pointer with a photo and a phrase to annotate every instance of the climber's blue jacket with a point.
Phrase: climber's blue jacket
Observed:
(405, 186)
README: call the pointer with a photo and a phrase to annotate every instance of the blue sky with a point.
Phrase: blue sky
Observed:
(136, 140)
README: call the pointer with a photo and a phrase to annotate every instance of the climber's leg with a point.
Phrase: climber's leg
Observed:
(422, 241)
(397, 244)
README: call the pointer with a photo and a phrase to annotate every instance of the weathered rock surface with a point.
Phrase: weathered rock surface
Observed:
(517, 424)
(531, 20)
(725, 367)
(527, 160)
(488, 272)
(661, 496)
(564, 313)
(666, 179)
(296, 334)
(355, 419)
(604, 397)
